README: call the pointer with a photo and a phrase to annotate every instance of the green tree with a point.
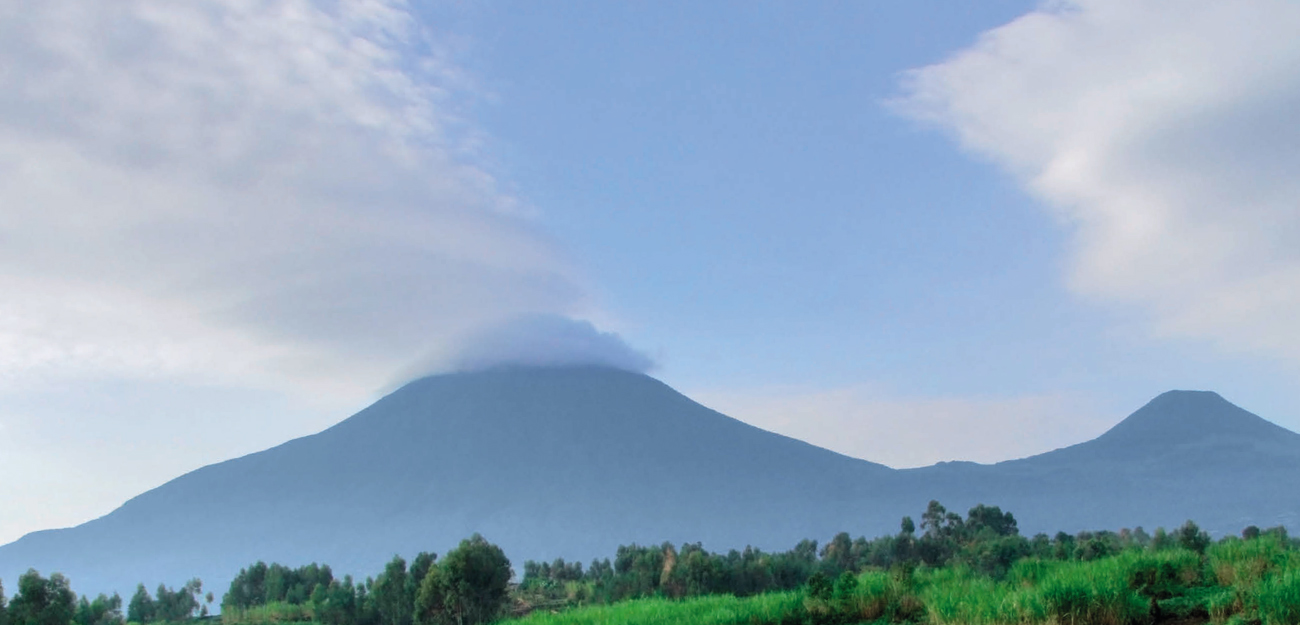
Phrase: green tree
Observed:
(182, 604)
(142, 608)
(842, 593)
(340, 603)
(415, 576)
(932, 520)
(1162, 540)
(469, 586)
(819, 586)
(367, 611)
(248, 589)
(1094, 547)
(103, 610)
(277, 584)
(389, 594)
(984, 518)
(42, 601)
(837, 555)
(1192, 537)
(4, 613)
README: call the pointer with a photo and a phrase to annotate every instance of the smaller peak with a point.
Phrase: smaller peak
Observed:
(1186, 416)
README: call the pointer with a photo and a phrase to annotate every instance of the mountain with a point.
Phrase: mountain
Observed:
(554, 462)
(1184, 455)
(572, 462)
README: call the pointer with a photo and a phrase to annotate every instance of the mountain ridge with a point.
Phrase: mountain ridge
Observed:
(573, 461)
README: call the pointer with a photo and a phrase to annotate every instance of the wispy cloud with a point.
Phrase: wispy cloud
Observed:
(284, 194)
(1164, 134)
(541, 341)
(229, 222)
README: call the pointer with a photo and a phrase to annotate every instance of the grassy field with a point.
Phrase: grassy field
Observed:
(1235, 581)
(713, 610)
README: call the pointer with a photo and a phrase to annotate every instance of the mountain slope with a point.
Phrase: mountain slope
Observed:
(572, 462)
(547, 462)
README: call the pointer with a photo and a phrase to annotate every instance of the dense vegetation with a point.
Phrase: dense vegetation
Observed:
(949, 570)
(1234, 581)
(42, 601)
(470, 585)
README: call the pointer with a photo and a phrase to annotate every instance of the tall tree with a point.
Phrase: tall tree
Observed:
(103, 610)
(178, 605)
(469, 586)
(340, 604)
(991, 519)
(418, 571)
(142, 608)
(390, 594)
(1192, 537)
(42, 601)
(837, 555)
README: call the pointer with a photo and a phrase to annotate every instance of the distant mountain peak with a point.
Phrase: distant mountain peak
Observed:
(1177, 417)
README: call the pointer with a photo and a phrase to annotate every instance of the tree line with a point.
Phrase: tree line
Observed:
(986, 541)
(472, 583)
(50, 601)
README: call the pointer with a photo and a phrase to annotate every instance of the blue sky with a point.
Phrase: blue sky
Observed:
(909, 232)
(749, 204)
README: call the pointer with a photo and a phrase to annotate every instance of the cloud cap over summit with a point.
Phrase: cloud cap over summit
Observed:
(544, 340)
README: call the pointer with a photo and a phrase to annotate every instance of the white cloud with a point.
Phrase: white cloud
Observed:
(902, 432)
(282, 194)
(253, 212)
(1164, 133)
(543, 341)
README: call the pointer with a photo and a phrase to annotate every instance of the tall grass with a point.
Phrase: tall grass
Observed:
(1278, 599)
(1263, 576)
(1093, 593)
(1255, 581)
(959, 597)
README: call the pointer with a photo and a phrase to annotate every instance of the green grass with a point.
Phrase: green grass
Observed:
(1112, 591)
(269, 614)
(1278, 599)
(1234, 583)
(772, 608)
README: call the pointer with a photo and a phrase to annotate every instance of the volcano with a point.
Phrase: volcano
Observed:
(572, 462)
